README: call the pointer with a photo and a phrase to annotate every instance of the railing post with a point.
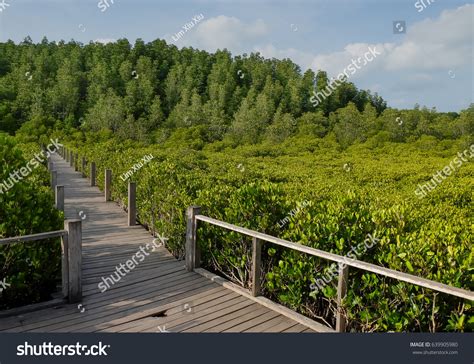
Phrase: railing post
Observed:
(50, 164)
(65, 264)
(92, 173)
(54, 179)
(59, 198)
(74, 240)
(76, 162)
(83, 169)
(341, 321)
(132, 203)
(256, 266)
(107, 185)
(66, 151)
(193, 256)
(71, 159)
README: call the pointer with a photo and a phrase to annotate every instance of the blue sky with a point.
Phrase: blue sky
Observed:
(431, 64)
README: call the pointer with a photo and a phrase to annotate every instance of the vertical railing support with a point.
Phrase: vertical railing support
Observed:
(92, 173)
(66, 151)
(132, 203)
(108, 184)
(83, 167)
(54, 179)
(341, 321)
(256, 266)
(193, 256)
(59, 198)
(71, 159)
(50, 164)
(76, 162)
(65, 264)
(74, 240)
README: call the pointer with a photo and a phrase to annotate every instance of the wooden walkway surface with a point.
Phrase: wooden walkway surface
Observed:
(158, 295)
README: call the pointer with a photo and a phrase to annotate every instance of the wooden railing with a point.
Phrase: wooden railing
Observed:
(71, 244)
(193, 261)
(71, 256)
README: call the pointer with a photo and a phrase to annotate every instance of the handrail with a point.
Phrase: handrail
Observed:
(405, 277)
(33, 237)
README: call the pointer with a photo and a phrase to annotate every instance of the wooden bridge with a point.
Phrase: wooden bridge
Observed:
(159, 293)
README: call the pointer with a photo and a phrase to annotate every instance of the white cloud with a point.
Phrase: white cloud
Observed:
(303, 59)
(440, 44)
(436, 44)
(105, 40)
(225, 32)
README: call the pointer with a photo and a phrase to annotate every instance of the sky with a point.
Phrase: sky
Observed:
(424, 48)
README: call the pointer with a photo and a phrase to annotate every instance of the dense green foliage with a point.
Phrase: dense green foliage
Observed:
(31, 269)
(148, 91)
(257, 186)
(250, 150)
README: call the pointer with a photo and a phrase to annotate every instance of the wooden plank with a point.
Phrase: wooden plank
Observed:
(296, 329)
(238, 317)
(254, 322)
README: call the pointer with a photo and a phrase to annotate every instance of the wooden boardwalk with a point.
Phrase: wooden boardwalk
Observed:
(158, 295)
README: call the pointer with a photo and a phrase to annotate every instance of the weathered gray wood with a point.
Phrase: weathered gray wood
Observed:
(341, 322)
(76, 162)
(193, 255)
(74, 230)
(59, 198)
(65, 265)
(71, 158)
(108, 184)
(132, 203)
(33, 237)
(405, 277)
(66, 151)
(83, 167)
(92, 173)
(54, 179)
(256, 266)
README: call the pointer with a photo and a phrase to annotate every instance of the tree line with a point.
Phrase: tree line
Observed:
(153, 91)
